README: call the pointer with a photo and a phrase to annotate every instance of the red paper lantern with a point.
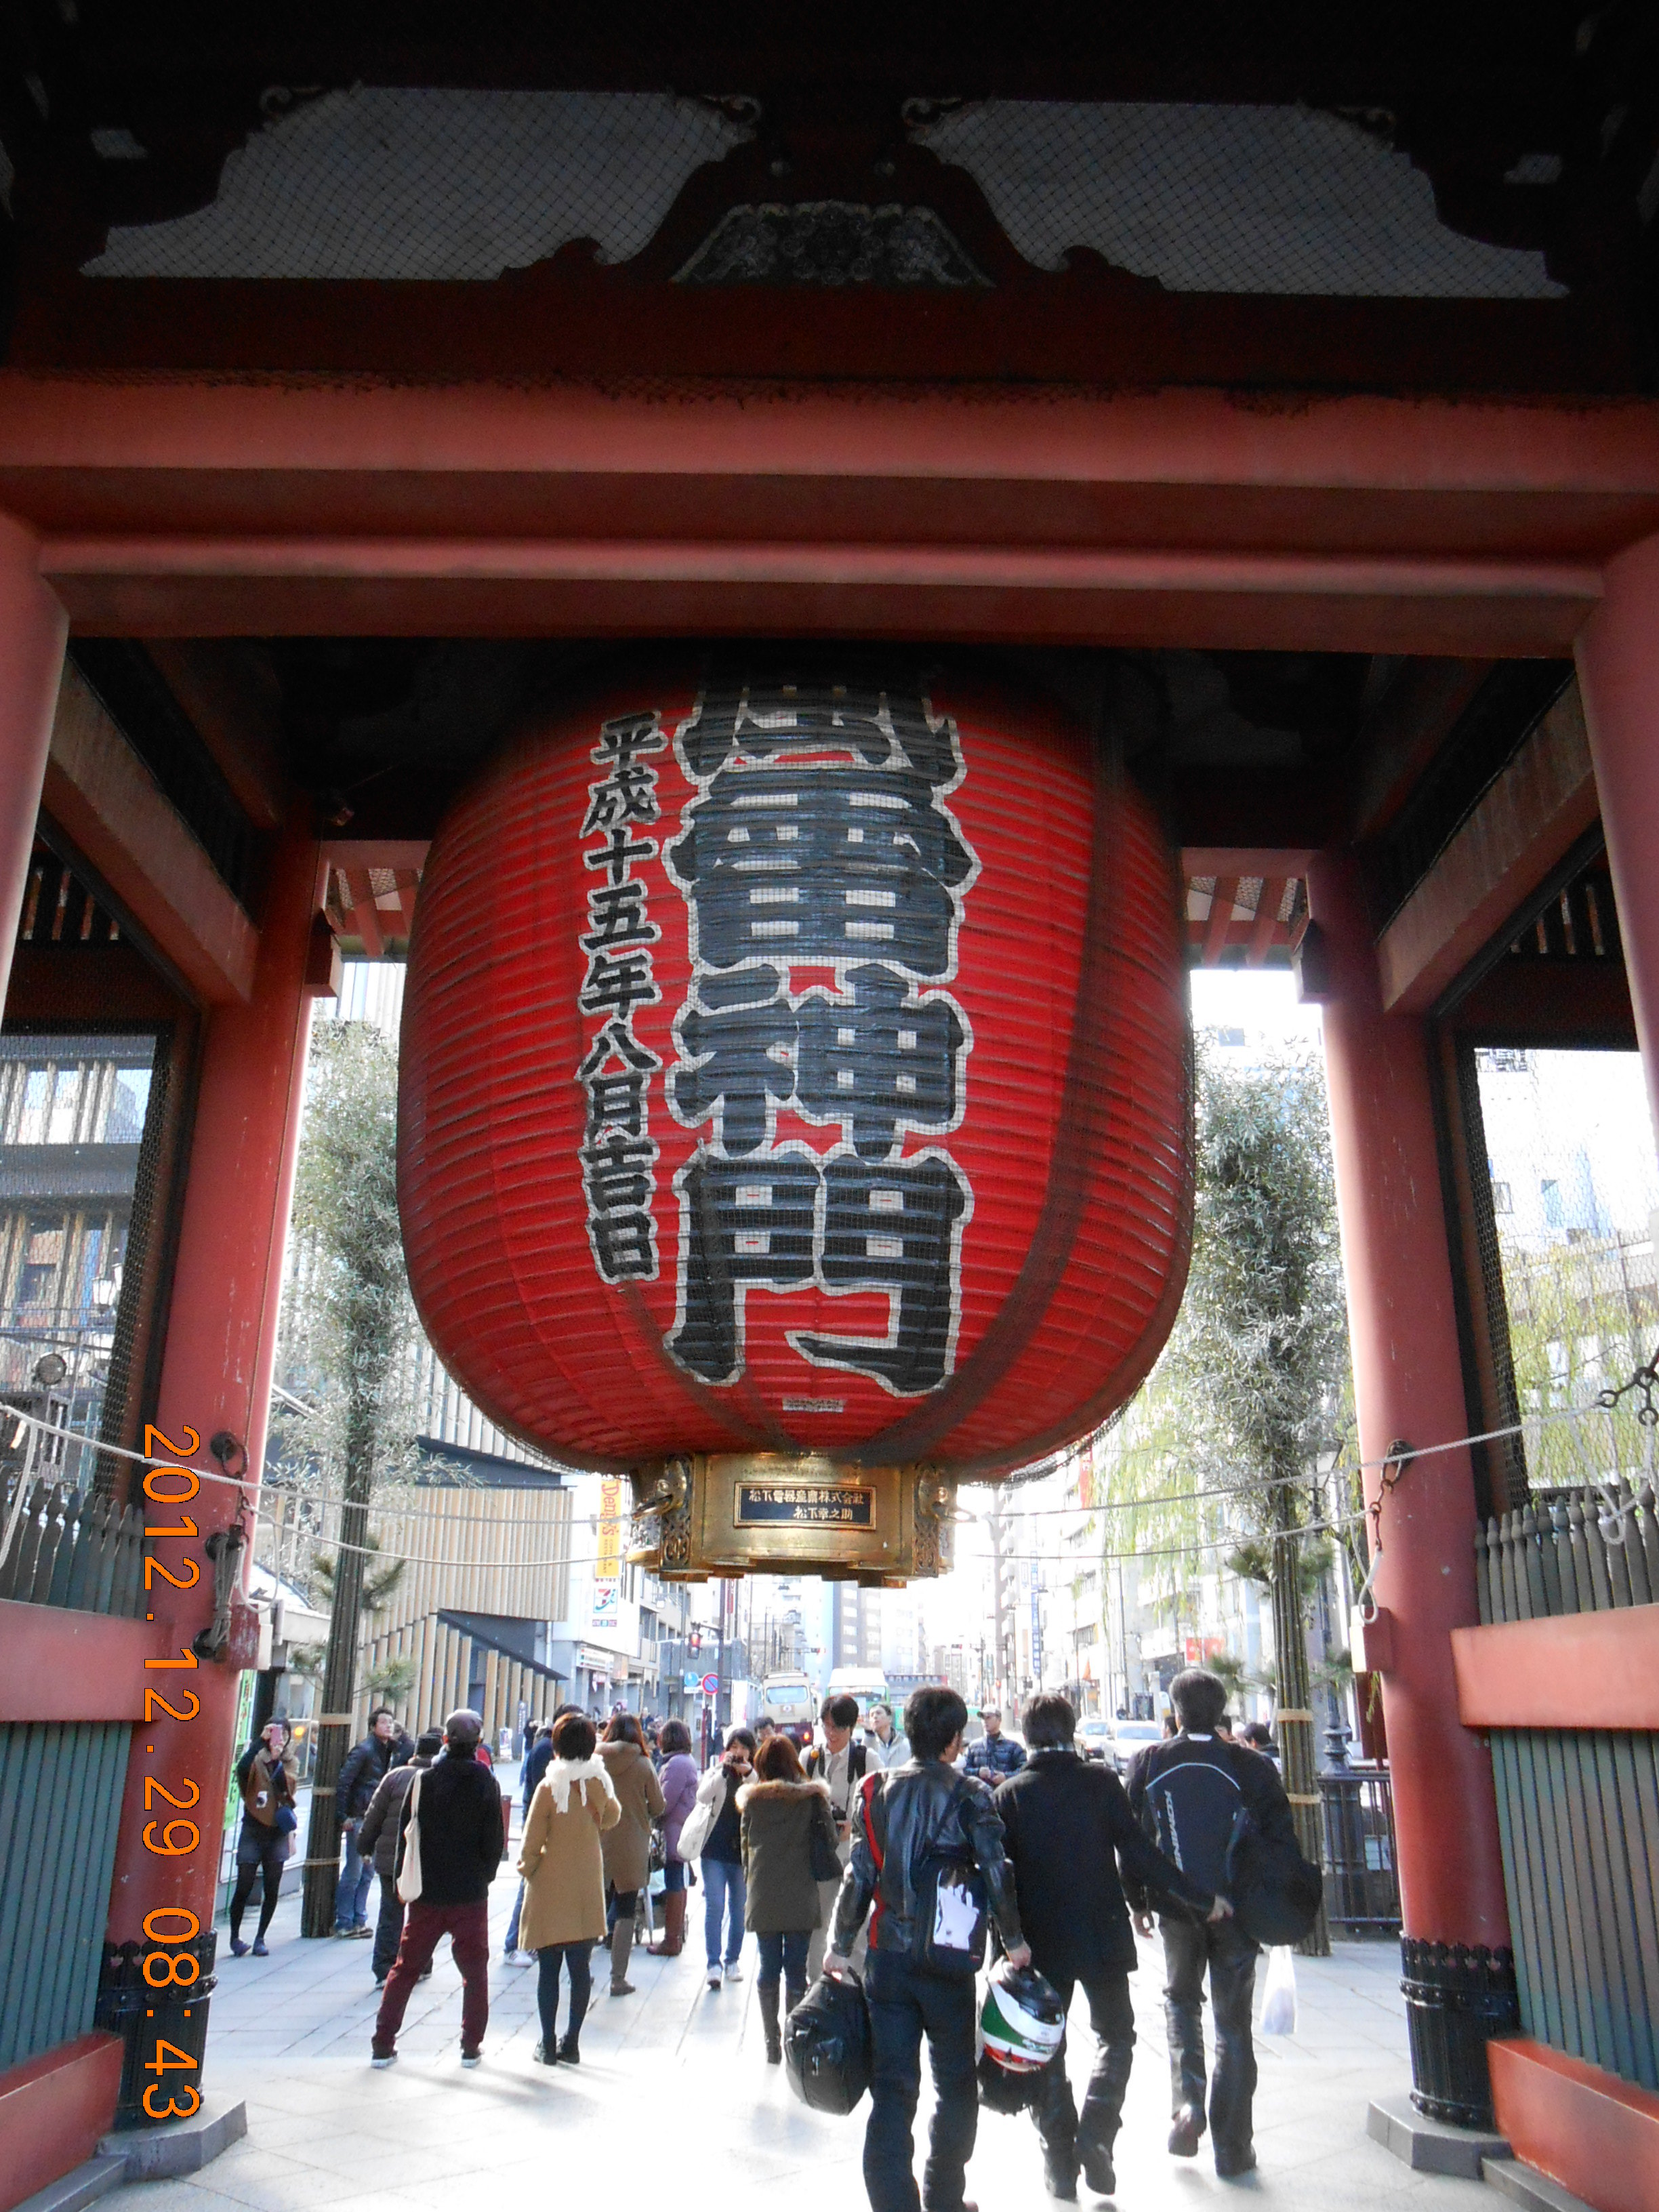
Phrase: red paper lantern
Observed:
(797, 1066)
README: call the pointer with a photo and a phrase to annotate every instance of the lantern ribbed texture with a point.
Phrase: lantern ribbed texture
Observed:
(921, 1193)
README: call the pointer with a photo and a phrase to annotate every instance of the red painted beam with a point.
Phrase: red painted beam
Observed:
(365, 914)
(1578, 1670)
(1265, 931)
(1220, 920)
(54, 2109)
(1524, 825)
(56, 1665)
(950, 465)
(1595, 2135)
(503, 587)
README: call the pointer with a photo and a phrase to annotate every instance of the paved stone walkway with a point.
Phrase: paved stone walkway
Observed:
(673, 2102)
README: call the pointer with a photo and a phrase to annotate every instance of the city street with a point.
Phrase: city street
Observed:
(673, 2097)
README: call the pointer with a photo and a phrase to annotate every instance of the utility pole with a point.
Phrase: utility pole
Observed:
(996, 1527)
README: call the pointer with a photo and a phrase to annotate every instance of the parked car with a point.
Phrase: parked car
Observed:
(1130, 1736)
(1094, 1739)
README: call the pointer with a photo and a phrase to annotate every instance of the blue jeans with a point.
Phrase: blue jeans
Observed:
(783, 1957)
(723, 1892)
(512, 1943)
(352, 1896)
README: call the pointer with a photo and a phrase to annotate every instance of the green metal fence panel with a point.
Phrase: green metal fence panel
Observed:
(60, 1806)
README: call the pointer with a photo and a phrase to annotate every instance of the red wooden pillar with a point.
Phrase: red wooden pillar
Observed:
(216, 1377)
(1408, 1386)
(33, 628)
(1618, 653)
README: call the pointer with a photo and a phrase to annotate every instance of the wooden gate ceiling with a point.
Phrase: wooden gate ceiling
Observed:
(1421, 197)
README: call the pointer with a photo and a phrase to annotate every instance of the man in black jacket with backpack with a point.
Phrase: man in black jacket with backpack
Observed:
(1067, 1828)
(1189, 1793)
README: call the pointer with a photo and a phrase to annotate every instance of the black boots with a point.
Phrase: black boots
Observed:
(569, 2051)
(766, 1996)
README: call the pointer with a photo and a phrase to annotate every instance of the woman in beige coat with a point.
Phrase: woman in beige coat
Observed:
(562, 1860)
(627, 1847)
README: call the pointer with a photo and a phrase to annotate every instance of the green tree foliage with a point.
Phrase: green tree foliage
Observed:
(1221, 1445)
(351, 1329)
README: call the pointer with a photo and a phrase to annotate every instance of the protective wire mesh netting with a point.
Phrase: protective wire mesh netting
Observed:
(416, 182)
(1223, 198)
(401, 182)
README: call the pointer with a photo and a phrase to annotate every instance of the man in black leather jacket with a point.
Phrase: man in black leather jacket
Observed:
(1187, 1794)
(907, 1823)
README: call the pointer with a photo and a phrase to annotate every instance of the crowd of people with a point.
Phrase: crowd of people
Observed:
(837, 1864)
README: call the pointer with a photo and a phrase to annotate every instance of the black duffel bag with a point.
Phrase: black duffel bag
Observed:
(1275, 1892)
(826, 2046)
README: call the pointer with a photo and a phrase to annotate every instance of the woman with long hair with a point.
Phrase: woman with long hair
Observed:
(628, 1845)
(722, 1855)
(678, 1776)
(781, 1811)
(266, 1774)
(562, 1860)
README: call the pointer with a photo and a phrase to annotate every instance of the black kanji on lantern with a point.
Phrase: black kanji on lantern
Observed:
(774, 719)
(816, 863)
(874, 1057)
(788, 1220)
(819, 838)
(618, 1157)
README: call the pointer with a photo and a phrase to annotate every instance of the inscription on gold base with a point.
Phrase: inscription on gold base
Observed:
(738, 1513)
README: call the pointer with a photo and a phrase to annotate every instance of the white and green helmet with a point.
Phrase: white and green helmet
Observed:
(1021, 2019)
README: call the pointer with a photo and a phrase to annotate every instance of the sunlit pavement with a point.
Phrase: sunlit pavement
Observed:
(673, 2097)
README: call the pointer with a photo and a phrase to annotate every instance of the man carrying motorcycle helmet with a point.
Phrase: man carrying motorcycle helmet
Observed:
(923, 1836)
(1068, 1828)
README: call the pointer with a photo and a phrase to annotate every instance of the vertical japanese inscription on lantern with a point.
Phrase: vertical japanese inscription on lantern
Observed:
(619, 1159)
(819, 838)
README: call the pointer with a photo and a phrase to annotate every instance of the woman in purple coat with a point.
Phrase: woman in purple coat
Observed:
(678, 1778)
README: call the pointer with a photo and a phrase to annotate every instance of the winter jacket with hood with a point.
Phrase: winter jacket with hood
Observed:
(628, 1845)
(912, 1817)
(679, 1779)
(1068, 1828)
(1187, 1794)
(562, 1857)
(778, 1819)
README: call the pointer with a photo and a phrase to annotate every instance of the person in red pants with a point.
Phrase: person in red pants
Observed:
(453, 1818)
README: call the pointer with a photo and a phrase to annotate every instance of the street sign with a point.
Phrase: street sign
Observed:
(711, 1684)
(691, 1683)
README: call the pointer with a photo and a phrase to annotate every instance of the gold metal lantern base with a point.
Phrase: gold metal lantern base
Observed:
(739, 1513)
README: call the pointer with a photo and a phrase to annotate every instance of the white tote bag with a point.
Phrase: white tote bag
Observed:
(700, 1822)
(409, 1874)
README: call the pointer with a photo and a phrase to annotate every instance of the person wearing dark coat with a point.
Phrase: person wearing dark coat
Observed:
(457, 1802)
(780, 1812)
(378, 1838)
(906, 1824)
(361, 1771)
(1187, 1794)
(1067, 1828)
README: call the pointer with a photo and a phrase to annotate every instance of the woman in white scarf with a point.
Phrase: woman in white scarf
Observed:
(564, 1872)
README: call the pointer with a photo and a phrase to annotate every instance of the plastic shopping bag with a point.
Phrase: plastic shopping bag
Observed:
(1278, 1993)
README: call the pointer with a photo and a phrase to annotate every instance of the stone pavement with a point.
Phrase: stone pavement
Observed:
(673, 2100)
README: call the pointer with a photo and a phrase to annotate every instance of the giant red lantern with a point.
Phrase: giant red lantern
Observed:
(798, 1067)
